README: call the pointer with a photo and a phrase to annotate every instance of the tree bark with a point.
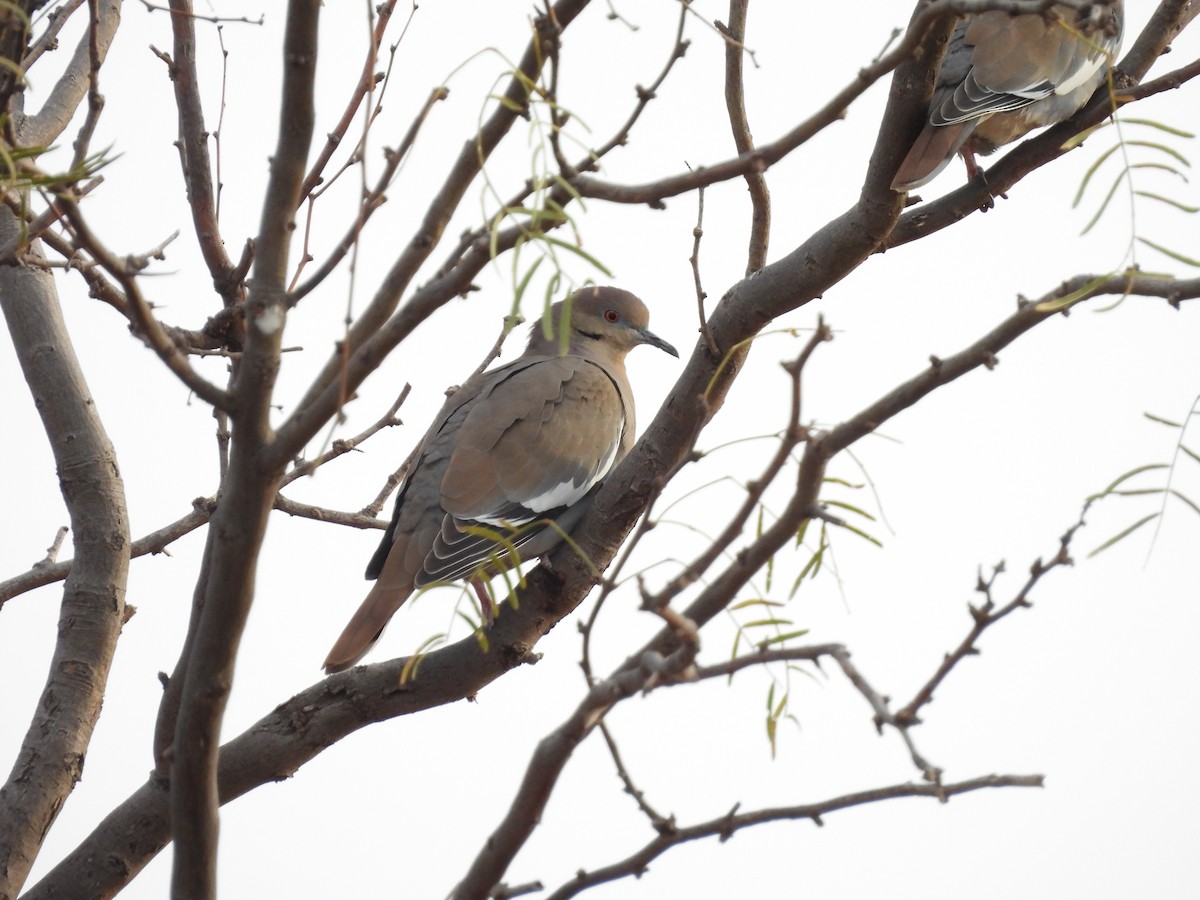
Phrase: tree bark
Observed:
(93, 606)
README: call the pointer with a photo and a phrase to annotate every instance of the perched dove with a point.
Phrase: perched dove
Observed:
(1004, 75)
(515, 448)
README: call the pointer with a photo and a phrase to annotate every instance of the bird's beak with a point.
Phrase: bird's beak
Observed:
(649, 337)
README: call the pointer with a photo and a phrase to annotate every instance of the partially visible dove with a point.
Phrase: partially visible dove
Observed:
(512, 461)
(1004, 75)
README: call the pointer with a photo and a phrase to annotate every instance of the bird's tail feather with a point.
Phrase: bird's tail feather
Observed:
(933, 149)
(367, 624)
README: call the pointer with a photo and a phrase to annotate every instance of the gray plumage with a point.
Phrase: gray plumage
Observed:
(1005, 75)
(515, 448)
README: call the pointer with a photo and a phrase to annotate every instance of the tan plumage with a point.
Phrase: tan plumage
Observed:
(1005, 75)
(514, 448)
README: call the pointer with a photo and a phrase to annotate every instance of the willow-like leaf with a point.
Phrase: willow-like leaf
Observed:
(1170, 423)
(849, 508)
(862, 534)
(1169, 201)
(1162, 148)
(760, 623)
(1174, 254)
(1186, 501)
(781, 638)
(578, 251)
(1072, 298)
(1161, 126)
(757, 601)
(1124, 534)
(1121, 176)
(1091, 171)
(412, 665)
(1121, 479)
(524, 282)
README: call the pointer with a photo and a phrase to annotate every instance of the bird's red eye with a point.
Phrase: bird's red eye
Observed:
(611, 315)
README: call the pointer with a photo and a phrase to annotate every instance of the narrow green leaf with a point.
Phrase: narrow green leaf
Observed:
(1121, 479)
(1187, 502)
(1072, 298)
(1087, 176)
(759, 623)
(848, 507)
(1170, 201)
(508, 103)
(1161, 126)
(520, 292)
(1162, 148)
(1174, 254)
(801, 531)
(758, 601)
(413, 664)
(1160, 420)
(578, 251)
(1124, 534)
(1121, 176)
(780, 638)
(862, 534)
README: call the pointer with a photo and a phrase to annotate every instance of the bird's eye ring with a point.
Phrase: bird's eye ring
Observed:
(611, 315)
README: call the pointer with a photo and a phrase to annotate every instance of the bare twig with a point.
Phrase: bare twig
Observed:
(726, 826)
(148, 326)
(366, 82)
(556, 748)
(697, 234)
(193, 152)
(324, 514)
(371, 201)
(735, 104)
(345, 445)
(48, 39)
(983, 617)
(52, 551)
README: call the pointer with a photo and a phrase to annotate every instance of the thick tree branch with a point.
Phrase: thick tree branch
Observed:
(44, 128)
(202, 680)
(51, 757)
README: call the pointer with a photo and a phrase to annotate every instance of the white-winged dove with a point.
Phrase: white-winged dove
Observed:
(1004, 75)
(512, 461)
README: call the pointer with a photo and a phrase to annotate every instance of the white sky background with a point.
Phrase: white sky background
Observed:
(1094, 687)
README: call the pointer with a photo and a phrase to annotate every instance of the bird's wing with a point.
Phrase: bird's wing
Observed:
(997, 63)
(546, 435)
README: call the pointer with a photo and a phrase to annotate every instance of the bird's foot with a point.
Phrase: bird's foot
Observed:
(486, 605)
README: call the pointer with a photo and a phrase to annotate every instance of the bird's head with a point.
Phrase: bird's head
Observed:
(597, 320)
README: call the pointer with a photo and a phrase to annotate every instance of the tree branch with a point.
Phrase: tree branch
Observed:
(193, 154)
(44, 128)
(51, 757)
(199, 689)
(726, 826)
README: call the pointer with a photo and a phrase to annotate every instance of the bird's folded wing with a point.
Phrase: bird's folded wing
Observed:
(1014, 61)
(547, 435)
